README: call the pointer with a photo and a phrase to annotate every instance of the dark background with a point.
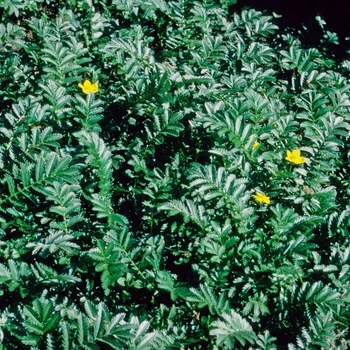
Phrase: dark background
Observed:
(298, 14)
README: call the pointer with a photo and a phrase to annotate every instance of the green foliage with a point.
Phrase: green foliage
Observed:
(130, 216)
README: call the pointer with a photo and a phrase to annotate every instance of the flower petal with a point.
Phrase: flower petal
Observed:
(260, 197)
(255, 145)
(94, 88)
(87, 87)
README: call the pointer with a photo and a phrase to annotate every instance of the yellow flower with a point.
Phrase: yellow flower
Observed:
(88, 87)
(255, 145)
(261, 198)
(294, 157)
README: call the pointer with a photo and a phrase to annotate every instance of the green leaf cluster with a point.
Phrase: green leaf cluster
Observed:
(129, 217)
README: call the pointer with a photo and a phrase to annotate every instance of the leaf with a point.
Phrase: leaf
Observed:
(205, 297)
(232, 328)
(54, 242)
(258, 304)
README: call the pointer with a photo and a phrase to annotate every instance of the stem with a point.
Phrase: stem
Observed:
(132, 263)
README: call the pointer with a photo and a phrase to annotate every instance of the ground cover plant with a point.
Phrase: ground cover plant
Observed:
(174, 175)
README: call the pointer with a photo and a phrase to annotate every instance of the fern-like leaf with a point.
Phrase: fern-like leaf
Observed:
(232, 328)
